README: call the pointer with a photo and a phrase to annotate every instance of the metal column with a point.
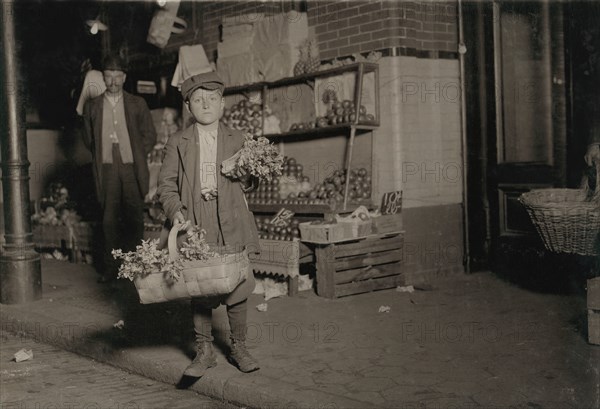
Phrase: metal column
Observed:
(20, 269)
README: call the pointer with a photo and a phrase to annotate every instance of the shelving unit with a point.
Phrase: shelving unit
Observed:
(276, 94)
(350, 128)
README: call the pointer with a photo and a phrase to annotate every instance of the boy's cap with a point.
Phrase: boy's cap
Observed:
(208, 80)
(114, 62)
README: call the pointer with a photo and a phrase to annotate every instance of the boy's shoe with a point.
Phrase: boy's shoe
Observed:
(240, 357)
(205, 358)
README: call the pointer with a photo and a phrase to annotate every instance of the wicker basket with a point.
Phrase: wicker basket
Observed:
(217, 276)
(566, 221)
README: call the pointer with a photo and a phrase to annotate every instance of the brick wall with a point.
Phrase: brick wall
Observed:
(347, 27)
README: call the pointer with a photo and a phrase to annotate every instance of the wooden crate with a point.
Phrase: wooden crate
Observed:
(360, 266)
(321, 233)
(83, 241)
(593, 305)
(334, 233)
(387, 223)
(48, 236)
(83, 237)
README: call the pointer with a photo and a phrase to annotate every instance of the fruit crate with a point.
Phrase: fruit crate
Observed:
(357, 228)
(52, 236)
(593, 305)
(387, 223)
(360, 266)
(83, 241)
(321, 233)
(334, 232)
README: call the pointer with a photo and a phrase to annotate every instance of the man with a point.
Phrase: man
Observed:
(120, 133)
(192, 187)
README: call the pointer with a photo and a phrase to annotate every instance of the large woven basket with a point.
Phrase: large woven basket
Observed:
(567, 221)
(217, 276)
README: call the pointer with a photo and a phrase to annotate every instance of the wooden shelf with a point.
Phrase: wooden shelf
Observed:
(317, 132)
(308, 208)
(257, 86)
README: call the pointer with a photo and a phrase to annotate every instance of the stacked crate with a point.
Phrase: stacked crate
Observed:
(360, 266)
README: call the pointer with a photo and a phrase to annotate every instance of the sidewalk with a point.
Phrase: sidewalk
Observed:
(471, 341)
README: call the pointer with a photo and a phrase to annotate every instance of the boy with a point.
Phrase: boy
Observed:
(192, 187)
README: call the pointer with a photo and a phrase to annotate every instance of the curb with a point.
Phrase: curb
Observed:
(252, 390)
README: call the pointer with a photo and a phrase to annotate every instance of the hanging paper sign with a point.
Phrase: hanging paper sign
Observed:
(282, 218)
(391, 203)
(146, 87)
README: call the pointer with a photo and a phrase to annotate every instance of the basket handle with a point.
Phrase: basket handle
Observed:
(172, 241)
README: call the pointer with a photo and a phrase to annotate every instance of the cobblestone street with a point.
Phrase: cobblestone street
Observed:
(56, 379)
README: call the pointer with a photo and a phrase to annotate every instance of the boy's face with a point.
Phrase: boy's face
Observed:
(206, 106)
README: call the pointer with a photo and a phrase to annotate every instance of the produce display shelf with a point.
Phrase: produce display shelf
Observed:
(299, 79)
(315, 132)
(307, 208)
(237, 89)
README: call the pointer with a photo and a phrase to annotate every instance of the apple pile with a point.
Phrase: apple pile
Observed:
(266, 193)
(292, 181)
(244, 116)
(268, 231)
(293, 187)
(333, 187)
(344, 112)
(339, 113)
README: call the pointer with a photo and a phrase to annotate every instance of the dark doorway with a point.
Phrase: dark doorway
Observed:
(524, 129)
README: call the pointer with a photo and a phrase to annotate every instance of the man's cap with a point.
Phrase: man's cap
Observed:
(208, 80)
(114, 62)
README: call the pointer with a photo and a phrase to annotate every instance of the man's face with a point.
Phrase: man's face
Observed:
(114, 81)
(206, 106)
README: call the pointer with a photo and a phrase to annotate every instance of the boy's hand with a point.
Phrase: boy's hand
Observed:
(240, 173)
(236, 173)
(178, 218)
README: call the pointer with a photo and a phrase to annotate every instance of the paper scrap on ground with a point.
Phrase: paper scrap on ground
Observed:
(23, 355)
(407, 289)
(261, 307)
(119, 324)
(384, 308)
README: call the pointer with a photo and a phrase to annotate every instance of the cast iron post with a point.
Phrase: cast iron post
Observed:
(20, 269)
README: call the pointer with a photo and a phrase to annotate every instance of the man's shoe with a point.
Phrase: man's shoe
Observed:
(240, 357)
(205, 358)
